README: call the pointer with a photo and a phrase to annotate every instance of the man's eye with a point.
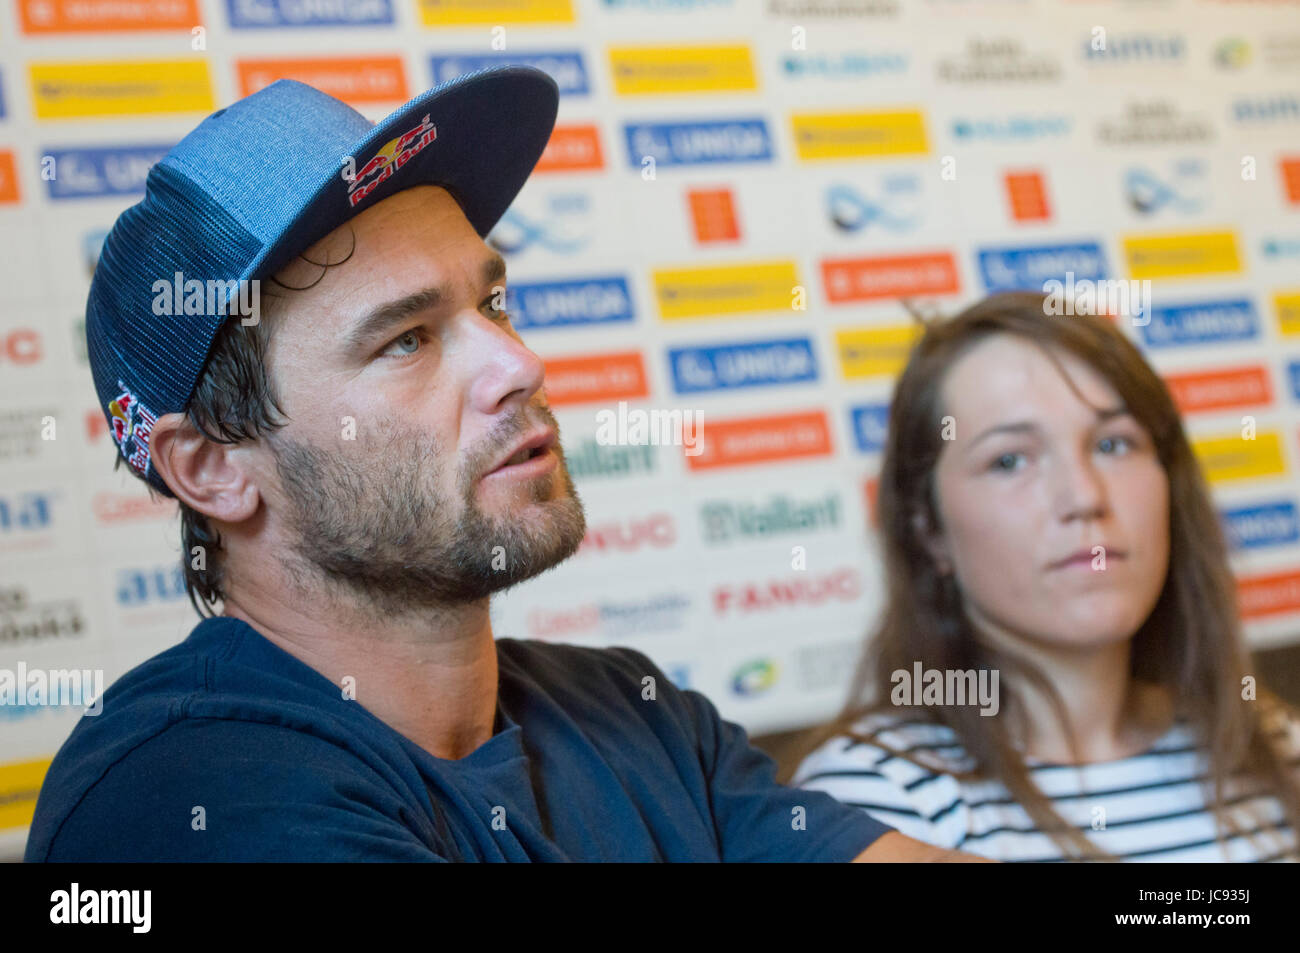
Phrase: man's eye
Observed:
(498, 314)
(406, 344)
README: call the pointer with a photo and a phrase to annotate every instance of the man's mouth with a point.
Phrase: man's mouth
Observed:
(538, 445)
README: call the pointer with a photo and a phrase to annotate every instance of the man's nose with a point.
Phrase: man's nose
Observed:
(500, 368)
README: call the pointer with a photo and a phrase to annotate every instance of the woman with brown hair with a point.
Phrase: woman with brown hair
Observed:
(1046, 532)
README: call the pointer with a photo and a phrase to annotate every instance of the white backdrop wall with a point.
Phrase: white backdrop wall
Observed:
(710, 156)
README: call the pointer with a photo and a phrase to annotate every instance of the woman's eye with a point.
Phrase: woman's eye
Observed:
(406, 344)
(1110, 441)
(1001, 462)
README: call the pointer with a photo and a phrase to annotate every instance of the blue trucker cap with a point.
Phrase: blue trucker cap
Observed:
(259, 182)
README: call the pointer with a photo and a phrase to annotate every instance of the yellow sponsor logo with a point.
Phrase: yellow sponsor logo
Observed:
(138, 87)
(875, 352)
(1182, 255)
(639, 70)
(841, 135)
(684, 293)
(1287, 305)
(20, 782)
(493, 12)
(1236, 458)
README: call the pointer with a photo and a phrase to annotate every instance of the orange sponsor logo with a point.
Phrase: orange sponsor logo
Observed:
(714, 215)
(8, 178)
(1027, 194)
(354, 79)
(570, 149)
(1273, 594)
(1220, 389)
(1290, 166)
(596, 378)
(897, 276)
(102, 16)
(731, 443)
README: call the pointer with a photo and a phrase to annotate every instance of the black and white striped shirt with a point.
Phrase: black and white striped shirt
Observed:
(1148, 807)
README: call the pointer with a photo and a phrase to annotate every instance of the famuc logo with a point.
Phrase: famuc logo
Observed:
(392, 155)
(806, 589)
(656, 531)
(730, 443)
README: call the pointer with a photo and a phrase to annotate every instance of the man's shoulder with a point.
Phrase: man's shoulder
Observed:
(202, 708)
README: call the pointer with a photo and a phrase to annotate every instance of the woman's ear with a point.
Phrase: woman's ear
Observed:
(212, 478)
(932, 540)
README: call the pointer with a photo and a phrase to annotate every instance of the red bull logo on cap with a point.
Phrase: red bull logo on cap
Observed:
(392, 155)
(132, 424)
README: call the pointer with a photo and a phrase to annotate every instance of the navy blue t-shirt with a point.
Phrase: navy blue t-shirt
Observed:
(581, 767)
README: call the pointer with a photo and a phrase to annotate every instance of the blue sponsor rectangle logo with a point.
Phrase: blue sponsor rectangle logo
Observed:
(568, 302)
(1203, 322)
(566, 67)
(83, 173)
(695, 143)
(272, 14)
(743, 364)
(1027, 268)
(1293, 374)
(870, 426)
(1265, 524)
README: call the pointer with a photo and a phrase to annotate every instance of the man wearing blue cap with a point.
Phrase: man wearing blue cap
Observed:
(362, 454)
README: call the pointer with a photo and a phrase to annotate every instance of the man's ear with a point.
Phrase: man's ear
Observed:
(932, 540)
(209, 477)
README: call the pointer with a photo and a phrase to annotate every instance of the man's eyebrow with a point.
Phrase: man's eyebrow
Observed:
(1029, 426)
(390, 314)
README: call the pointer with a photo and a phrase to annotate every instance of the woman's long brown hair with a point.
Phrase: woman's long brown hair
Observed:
(1191, 644)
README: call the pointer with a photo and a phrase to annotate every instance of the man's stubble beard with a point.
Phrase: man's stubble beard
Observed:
(392, 542)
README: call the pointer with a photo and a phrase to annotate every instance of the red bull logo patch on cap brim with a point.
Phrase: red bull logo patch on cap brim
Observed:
(390, 157)
(132, 424)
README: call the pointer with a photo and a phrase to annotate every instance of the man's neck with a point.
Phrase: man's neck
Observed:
(431, 676)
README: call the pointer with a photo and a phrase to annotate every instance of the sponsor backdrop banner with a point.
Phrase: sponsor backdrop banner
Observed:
(737, 195)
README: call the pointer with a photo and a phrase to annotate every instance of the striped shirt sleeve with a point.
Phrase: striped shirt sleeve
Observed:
(918, 802)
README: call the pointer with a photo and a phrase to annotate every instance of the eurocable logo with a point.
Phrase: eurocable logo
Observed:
(22, 687)
(392, 155)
